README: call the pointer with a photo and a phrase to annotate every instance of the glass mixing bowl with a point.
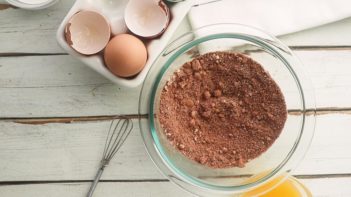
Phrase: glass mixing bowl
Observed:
(278, 60)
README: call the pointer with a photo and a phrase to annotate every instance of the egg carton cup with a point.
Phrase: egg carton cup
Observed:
(114, 12)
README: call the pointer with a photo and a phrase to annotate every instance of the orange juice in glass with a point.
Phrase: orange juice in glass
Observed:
(281, 186)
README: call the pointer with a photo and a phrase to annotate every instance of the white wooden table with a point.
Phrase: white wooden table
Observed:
(54, 115)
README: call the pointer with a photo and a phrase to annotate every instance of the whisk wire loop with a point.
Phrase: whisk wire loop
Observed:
(124, 127)
(116, 136)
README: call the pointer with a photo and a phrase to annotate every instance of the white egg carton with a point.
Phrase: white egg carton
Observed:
(113, 10)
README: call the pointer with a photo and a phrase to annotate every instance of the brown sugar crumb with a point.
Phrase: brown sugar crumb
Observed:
(222, 110)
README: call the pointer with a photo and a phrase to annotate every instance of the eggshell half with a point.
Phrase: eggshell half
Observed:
(147, 18)
(87, 32)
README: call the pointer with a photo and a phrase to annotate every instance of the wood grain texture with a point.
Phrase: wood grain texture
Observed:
(59, 86)
(5, 6)
(36, 30)
(336, 187)
(46, 71)
(333, 34)
(68, 152)
(103, 190)
(39, 81)
(68, 101)
(58, 151)
(32, 31)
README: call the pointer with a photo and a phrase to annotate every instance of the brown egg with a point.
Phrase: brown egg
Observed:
(125, 55)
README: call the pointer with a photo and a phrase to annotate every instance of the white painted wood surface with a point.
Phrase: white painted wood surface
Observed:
(49, 85)
(72, 151)
(319, 188)
(58, 86)
(32, 31)
(27, 27)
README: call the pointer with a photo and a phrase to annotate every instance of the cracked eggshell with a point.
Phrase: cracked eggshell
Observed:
(87, 32)
(147, 18)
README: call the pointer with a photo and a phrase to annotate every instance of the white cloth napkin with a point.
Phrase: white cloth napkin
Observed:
(275, 16)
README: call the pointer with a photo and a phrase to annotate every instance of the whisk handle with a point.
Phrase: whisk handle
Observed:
(96, 180)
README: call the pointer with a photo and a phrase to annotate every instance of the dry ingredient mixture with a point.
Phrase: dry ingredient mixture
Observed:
(222, 109)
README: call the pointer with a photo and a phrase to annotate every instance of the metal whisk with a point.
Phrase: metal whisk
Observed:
(116, 136)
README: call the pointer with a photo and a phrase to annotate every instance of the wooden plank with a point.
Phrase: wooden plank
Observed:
(89, 100)
(333, 187)
(36, 30)
(68, 152)
(329, 152)
(324, 187)
(46, 71)
(326, 35)
(58, 151)
(32, 31)
(330, 74)
(129, 189)
(59, 86)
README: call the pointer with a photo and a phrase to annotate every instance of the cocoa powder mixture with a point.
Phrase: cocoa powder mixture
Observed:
(222, 109)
